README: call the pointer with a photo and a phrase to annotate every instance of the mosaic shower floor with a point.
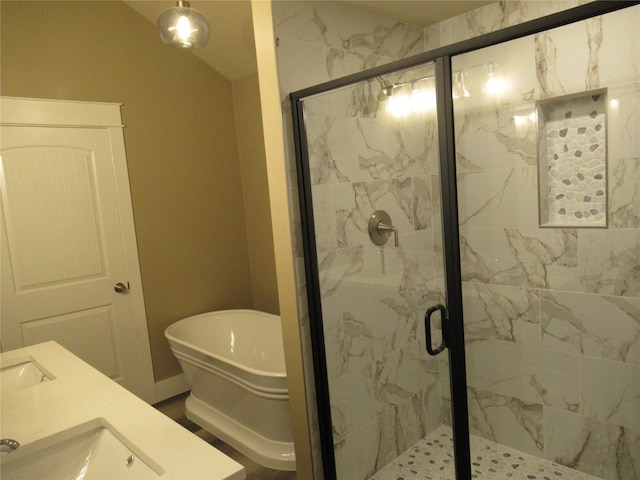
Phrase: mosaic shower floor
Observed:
(432, 459)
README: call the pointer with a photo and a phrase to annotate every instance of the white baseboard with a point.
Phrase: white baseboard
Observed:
(170, 387)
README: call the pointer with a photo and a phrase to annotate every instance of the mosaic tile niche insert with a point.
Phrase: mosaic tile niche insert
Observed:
(572, 160)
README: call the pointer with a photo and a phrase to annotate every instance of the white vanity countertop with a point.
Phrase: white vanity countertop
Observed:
(79, 393)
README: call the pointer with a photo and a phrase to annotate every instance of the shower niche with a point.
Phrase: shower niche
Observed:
(572, 160)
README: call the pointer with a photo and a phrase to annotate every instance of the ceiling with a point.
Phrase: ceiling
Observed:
(231, 28)
(231, 24)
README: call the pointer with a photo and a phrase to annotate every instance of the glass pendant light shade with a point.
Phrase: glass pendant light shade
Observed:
(184, 27)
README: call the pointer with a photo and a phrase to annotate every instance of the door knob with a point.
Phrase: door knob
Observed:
(121, 287)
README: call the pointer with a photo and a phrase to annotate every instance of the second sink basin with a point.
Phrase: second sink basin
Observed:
(22, 374)
(87, 451)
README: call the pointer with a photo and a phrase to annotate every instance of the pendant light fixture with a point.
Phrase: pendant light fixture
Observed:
(184, 27)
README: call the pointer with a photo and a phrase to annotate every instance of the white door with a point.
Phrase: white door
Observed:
(68, 240)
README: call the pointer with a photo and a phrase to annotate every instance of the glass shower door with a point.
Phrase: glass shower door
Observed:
(372, 193)
(548, 151)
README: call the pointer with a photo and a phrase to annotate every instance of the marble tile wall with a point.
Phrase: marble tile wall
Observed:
(370, 296)
(491, 18)
(553, 314)
(540, 352)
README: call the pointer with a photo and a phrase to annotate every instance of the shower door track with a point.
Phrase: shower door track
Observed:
(455, 328)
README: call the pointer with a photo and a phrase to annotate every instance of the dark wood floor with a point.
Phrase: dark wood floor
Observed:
(174, 409)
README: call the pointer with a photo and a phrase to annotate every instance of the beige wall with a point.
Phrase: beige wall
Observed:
(181, 146)
(273, 135)
(246, 99)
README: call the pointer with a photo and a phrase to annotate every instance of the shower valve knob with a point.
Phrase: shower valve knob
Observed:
(380, 228)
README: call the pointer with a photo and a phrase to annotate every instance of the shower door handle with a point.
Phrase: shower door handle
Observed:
(427, 329)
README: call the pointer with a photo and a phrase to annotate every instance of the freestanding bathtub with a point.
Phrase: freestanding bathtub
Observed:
(234, 364)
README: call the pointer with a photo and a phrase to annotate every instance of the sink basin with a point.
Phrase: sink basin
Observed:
(88, 451)
(22, 373)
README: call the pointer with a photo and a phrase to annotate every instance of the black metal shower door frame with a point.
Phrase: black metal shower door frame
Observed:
(454, 326)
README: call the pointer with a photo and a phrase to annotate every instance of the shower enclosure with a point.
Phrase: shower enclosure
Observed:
(499, 177)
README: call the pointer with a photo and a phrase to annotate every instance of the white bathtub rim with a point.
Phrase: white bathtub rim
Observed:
(260, 386)
(220, 358)
(266, 452)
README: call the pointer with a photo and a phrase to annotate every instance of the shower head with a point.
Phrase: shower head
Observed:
(386, 89)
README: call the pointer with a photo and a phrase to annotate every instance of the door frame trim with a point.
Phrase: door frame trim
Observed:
(455, 333)
(36, 112)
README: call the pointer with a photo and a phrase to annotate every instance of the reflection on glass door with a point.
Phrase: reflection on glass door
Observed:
(375, 192)
(548, 162)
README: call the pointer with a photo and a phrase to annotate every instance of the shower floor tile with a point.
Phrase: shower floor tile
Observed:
(432, 459)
